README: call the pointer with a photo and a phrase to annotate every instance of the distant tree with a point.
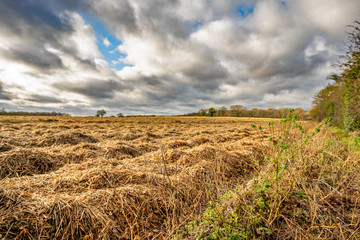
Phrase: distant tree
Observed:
(202, 112)
(120, 115)
(235, 110)
(222, 111)
(255, 112)
(100, 113)
(211, 112)
(299, 112)
(237, 107)
(272, 113)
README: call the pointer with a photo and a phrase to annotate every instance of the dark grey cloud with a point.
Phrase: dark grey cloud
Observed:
(162, 19)
(31, 19)
(152, 81)
(37, 57)
(43, 99)
(64, 5)
(120, 12)
(93, 88)
(4, 95)
(206, 77)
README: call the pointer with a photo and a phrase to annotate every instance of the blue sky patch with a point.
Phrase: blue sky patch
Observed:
(110, 53)
(194, 26)
(244, 10)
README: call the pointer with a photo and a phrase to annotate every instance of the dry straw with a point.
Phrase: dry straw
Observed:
(148, 178)
(81, 178)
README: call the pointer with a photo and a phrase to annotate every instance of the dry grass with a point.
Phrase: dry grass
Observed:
(27, 162)
(165, 177)
(307, 188)
(117, 178)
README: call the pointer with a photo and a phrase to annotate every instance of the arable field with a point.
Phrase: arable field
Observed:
(177, 178)
(118, 178)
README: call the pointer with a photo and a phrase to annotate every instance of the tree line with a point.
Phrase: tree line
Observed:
(24, 113)
(241, 111)
(341, 98)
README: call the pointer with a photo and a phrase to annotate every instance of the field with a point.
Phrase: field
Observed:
(176, 178)
(117, 177)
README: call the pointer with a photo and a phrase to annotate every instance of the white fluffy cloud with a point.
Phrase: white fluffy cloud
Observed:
(106, 42)
(180, 55)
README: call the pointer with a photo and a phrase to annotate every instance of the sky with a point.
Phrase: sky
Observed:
(168, 57)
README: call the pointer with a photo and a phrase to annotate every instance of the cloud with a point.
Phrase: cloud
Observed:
(106, 42)
(328, 16)
(3, 94)
(93, 88)
(179, 56)
(37, 57)
(42, 99)
(119, 15)
(24, 22)
(37, 36)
